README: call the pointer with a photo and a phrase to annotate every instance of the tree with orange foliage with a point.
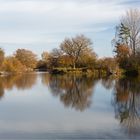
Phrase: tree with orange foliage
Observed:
(122, 51)
(122, 55)
(12, 64)
(27, 58)
(1, 57)
(76, 47)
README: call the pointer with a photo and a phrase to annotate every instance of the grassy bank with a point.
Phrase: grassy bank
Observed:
(83, 71)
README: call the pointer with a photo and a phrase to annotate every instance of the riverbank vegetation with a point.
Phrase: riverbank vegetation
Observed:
(76, 54)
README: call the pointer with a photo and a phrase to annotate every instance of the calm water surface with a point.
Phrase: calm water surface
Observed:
(42, 106)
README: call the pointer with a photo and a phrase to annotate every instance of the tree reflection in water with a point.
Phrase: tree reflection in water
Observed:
(45, 78)
(74, 91)
(127, 104)
(26, 81)
(107, 82)
(1, 89)
(20, 81)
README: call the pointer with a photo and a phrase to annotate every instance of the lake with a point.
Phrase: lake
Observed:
(44, 106)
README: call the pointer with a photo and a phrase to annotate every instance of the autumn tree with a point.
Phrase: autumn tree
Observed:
(43, 63)
(122, 55)
(27, 58)
(1, 57)
(107, 66)
(12, 64)
(122, 51)
(76, 47)
(88, 58)
(65, 61)
(45, 56)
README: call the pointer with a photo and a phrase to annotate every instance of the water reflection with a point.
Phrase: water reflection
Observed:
(20, 81)
(45, 78)
(74, 91)
(107, 82)
(1, 90)
(127, 104)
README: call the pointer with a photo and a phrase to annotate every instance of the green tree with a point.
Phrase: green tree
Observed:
(123, 34)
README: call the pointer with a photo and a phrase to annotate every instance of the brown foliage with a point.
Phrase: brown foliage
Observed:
(1, 57)
(26, 57)
(76, 48)
(12, 64)
(122, 51)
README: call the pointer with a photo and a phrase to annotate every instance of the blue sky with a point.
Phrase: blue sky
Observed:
(41, 25)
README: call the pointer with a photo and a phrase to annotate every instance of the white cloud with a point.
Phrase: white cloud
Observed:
(36, 21)
(54, 15)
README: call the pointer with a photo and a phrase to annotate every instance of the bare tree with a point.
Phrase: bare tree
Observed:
(75, 47)
(131, 20)
(54, 57)
(56, 53)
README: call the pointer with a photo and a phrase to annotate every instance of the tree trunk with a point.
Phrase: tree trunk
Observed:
(74, 65)
(134, 48)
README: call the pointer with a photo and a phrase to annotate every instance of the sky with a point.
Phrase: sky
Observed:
(41, 25)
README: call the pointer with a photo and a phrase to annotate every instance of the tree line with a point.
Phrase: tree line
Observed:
(73, 55)
(22, 60)
(76, 54)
